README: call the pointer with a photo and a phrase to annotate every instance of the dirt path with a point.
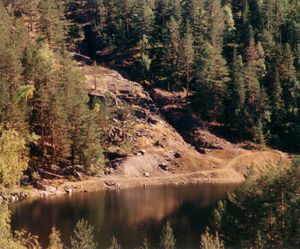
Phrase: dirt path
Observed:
(164, 146)
(230, 173)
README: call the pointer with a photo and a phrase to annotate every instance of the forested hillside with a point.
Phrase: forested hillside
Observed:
(238, 60)
(237, 63)
(44, 114)
(216, 92)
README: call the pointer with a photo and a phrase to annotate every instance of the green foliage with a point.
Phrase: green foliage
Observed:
(52, 21)
(83, 237)
(13, 156)
(16, 240)
(167, 239)
(263, 212)
(212, 77)
(209, 241)
(190, 44)
(27, 239)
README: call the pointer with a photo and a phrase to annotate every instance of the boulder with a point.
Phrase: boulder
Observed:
(152, 121)
(177, 154)
(45, 187)
(69, 189)
(141, 153)
(112, 184)
(140, 114)
(163, 166)
(146, 174)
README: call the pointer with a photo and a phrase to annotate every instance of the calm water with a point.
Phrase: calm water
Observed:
(129, 215)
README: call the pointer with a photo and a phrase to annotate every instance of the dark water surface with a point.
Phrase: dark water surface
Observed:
(129, 215)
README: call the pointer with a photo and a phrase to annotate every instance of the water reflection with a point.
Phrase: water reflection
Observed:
(129, 215)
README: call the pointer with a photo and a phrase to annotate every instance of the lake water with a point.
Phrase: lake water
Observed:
(129, 215)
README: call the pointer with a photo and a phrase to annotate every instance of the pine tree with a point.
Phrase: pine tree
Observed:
(83, 237)
(145, 244)
(211, 75)
(162, 17)
(215, 15)
(31, 10)
(255, 104)
(171, 54)
(228, 19)
(255, 55)
(83, 137)
(55, 241)
(200, 29)
(167, 240)
(259, 242)
(237, 95)
(288, 77)
(143, 18)
(209, 241)
(145, 60)
(114, 244)
(278, 103)
(188, 56)
(52, 22)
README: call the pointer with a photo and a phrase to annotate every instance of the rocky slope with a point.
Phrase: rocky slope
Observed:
(172, 141)
(157, 142)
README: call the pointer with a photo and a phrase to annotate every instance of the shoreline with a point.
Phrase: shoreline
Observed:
(115, 183)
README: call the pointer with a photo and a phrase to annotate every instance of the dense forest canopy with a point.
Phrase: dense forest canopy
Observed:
(44, 116)
(239, 60)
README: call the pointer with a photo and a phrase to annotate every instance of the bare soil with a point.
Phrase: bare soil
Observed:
(169, 147)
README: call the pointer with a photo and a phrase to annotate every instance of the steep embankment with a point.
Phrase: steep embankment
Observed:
(156, 151)
(163, 153)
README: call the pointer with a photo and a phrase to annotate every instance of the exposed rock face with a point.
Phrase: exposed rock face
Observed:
(165, 140)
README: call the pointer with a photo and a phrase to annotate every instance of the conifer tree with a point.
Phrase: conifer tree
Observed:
(145, 244)
(114, 244)
(162, 17)
(209, 241)
(200, 29)
(237, 95)
(211, 77)
(255, 104)
(52, 22)
(143, 19)
(83, 237)
(288, 77)
(167, 240)
(188, 56)
(171, 47)
(215, 16)
(55, 241)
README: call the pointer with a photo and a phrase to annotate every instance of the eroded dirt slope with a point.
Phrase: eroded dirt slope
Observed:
(185, 147)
